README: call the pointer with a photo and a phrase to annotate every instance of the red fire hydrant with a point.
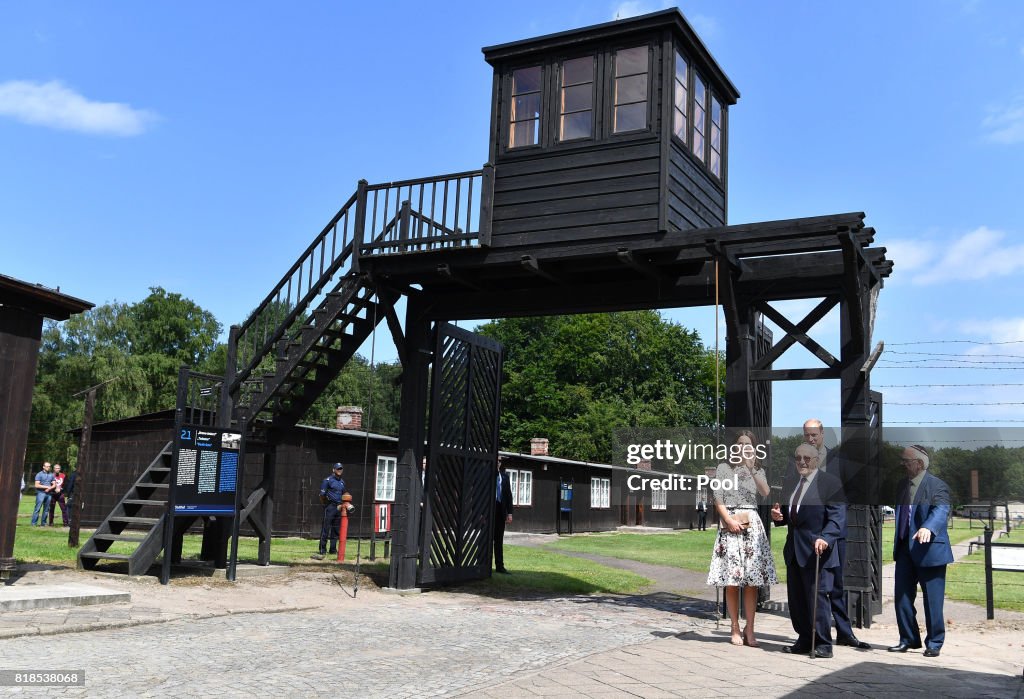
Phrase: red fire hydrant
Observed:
(345, 507)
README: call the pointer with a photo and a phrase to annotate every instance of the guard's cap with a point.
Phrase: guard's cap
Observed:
(338, 467)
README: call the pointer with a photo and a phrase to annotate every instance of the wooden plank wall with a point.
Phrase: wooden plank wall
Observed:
(578, 194)
(541, 516)
(19, 351)
(120, 452)
(694, 201)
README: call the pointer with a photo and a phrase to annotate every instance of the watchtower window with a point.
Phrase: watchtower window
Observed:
(716, 138)
(630, 89)
(699, 109)
(681, 99)
(576, 109)
(524, 120)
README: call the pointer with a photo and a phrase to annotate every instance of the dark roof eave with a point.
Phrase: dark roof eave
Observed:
(599, 32)
(36, 298)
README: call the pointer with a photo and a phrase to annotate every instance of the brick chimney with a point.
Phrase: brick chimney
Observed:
(349, 417)
(539, 446)
(644, 465)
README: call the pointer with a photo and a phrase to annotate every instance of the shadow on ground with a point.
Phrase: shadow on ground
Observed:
(881, 680)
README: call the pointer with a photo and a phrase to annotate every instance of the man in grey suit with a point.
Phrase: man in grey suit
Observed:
(921, 552)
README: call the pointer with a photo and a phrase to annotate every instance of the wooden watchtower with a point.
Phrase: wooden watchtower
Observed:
(619, 128)
(606, 189)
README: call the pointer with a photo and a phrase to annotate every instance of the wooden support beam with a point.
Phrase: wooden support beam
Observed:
(794, 374)
(395, 326)
(446, 271)
(530, 264)
(798, 334)
(717, 250)
(255, 497)
(872, 359)
(855, 289)
(648, 270)
(405, 531)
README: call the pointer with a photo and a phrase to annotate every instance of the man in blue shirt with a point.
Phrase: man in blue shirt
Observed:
(44, 487)
(331, 490)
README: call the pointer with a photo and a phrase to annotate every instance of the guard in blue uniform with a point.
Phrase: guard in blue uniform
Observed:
(331, 490)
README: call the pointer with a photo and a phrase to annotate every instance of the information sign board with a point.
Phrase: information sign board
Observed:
(206, 470)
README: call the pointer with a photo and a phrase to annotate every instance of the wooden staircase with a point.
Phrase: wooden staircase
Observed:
(135, 526)
(310, 357)
(283, 356)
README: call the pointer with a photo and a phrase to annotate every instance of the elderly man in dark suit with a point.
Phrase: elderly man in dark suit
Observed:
(815, 513)
(921, 552)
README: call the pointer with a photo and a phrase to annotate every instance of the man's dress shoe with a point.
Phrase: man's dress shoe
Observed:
(902, 647)
(853, 642)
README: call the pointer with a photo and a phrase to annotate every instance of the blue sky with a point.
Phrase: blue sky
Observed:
(200, 147)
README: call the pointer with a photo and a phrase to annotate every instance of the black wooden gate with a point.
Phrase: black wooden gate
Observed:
(458, 514)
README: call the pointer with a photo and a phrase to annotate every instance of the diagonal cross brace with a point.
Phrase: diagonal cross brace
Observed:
(798, 333)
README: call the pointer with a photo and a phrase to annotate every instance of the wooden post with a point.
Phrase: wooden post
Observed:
(20, 333)
(359, 225)
(78, 497)
(412, 430)
(266, 512)
(486, 204)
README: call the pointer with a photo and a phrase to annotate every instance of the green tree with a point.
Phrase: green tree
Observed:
(138, 347)
(172, 326)
(575, 379)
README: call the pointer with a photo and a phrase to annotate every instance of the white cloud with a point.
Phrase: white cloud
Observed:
(980, 254)
(54, 105)
(996, 330)
(1005, 124)
(910, 255)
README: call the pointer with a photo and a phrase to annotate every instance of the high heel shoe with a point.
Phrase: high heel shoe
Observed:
(737, 638)
(749, 640)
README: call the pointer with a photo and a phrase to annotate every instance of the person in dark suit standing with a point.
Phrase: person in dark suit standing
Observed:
(921, 552)
(829, 461)
(702, 513)
(502, 514)
(815, 513)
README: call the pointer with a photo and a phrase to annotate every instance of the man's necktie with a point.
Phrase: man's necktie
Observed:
(904, 528)
(796, 498)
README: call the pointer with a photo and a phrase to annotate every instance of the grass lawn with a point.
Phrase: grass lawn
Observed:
(533, 571)
(965, 581)
(691, 550)
(536, 570)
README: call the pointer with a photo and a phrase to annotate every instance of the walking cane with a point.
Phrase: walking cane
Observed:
(814, 606)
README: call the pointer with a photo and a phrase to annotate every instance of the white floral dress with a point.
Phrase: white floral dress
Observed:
(745, 558)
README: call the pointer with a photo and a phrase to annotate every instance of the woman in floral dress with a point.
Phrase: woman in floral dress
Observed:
(742, 556)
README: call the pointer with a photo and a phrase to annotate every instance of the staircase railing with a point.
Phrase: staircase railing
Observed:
(433, 213)
(306, 281)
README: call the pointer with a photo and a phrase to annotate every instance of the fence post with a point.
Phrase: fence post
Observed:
(359, 226)
(989, 606)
